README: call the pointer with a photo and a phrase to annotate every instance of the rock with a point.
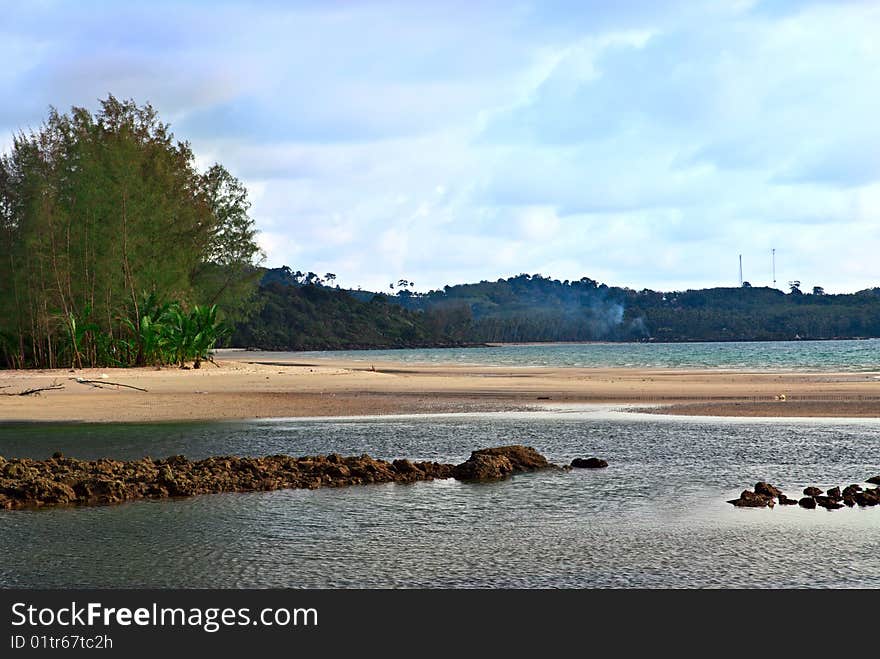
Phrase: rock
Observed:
(589, 463)
(42, 491)
(14, 470)
(767, 489)
(874, 480)
(404, 466)
(832, 499)
(867, 498)
(435, 469)
(850, 490)
(749, 499)
(483, 468)
(827, 502)
(523, 458)
(500, 462)
(60, 480)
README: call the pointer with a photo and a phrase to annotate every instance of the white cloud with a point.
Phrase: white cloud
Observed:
(640, 143)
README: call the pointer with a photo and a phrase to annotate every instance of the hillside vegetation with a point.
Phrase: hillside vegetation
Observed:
(301, 311)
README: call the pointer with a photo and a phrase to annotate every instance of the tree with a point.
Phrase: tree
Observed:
(795, 287)
(818, 290)
(226, 273)
(99, 210)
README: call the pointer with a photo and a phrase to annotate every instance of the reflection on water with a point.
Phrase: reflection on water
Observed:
(656, 517)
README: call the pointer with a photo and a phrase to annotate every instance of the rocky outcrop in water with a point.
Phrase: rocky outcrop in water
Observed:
(807, 502)
(749, 499)
(589, 463)
(766, 496)
(496, 463)
(767, 490)
(68, 481)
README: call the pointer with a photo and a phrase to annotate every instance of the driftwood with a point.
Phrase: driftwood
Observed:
(99, 383)
(36, 390)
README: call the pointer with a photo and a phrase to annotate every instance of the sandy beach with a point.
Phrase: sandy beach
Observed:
(242, 389)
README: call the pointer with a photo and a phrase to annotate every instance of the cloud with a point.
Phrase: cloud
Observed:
(640, 143)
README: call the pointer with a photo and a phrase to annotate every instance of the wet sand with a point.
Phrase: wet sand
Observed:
(237, 388)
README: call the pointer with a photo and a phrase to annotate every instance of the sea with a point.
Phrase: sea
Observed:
(656, 517)
(842, 355)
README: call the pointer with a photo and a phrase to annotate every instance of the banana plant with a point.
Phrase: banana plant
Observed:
(149, 332)
(208, 331)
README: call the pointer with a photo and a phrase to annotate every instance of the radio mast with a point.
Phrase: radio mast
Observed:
(773, 261)
(740, 270)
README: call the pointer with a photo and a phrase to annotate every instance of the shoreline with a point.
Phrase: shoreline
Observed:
(239, 388)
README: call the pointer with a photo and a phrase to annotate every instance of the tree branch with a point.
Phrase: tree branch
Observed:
(36, 390)
(99, 383)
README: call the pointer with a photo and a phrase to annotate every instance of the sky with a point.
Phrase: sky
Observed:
(641, 143)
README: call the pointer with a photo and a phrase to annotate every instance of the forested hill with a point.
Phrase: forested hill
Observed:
(303, 310)
(312, 316)
(536, 308)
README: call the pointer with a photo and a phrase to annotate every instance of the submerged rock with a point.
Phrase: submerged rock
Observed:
(812, 491)
(874, 480)
(589, 463)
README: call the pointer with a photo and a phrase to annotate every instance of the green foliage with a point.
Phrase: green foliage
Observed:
(95, 210)
(536, 308)
(315, 317)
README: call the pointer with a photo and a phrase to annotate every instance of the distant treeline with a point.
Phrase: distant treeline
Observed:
(537, 308)
(303, 311)
(314, 317)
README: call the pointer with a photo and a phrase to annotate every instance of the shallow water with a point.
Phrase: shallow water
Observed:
(656, 517)
(848, 355)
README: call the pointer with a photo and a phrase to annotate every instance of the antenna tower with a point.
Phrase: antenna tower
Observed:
(773, 260)
(740, 270)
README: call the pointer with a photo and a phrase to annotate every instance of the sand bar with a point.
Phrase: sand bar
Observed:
(237, 388)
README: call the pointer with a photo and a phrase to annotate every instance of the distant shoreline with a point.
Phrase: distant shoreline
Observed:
(496, 344)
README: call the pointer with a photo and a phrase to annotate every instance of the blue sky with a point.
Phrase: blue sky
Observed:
(640, 143)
